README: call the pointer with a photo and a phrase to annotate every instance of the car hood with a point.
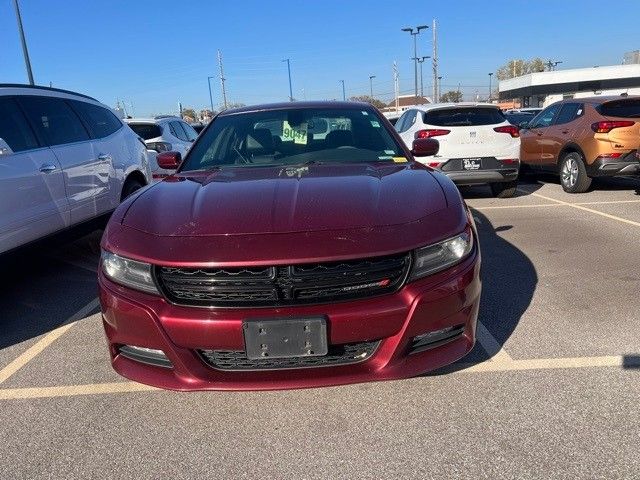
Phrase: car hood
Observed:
(259, 200)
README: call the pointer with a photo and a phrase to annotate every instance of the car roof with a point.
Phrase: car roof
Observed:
(600, 99)
(299, 105)
(154, 120)
(437, 106)
(25, 89)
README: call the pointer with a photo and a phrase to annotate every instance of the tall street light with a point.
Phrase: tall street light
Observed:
(490, 75)
(210, 96)
(414, 34)
(289, 71)
(344, 95)
(371, 77)
(421, 61)
(25, 52)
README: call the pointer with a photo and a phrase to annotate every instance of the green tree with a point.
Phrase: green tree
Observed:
(232, 105)
(369, 99)
(189, 112)
(451, 96)
(518, 67)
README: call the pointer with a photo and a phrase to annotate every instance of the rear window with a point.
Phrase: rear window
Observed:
(146, 130)
(628, 108)
(463, 117)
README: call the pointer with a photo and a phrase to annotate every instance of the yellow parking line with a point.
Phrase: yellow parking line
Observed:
(73, 390)
(607, 202)
(491, 345)
(545, 364)
(45, 341)
(586, 209)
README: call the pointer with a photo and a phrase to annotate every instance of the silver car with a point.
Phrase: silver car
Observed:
(65, 159)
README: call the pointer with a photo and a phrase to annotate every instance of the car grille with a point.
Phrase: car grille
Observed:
(348, 353)
(283, 285)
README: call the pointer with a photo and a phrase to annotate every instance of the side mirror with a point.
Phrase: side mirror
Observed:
(169, 160)
(523, 125)
(425, 147)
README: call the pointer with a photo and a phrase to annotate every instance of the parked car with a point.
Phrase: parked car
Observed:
(162, 134)
(392, 117)
(529, 110)
(275, 259)
(477, 144)
(517, 118)
(65, 159)
(584, 138)
(198, 127)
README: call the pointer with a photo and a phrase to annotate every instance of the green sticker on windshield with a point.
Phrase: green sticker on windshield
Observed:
(375, 124)
(298, 134)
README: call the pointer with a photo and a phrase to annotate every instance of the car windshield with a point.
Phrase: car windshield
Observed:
(464, 116)
(294, 136)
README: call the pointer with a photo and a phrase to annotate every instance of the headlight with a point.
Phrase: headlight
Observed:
(130, 273)
(434, 258)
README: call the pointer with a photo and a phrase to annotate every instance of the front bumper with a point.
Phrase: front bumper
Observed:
(607, 167)
(449, 299)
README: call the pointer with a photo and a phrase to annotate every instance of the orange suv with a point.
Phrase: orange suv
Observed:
(583, 138)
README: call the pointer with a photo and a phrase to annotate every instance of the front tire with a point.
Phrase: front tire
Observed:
(504, 189)
(573, 174)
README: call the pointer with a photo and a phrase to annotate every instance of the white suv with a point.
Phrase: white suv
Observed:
(65, 159)
(477, 144)
(164, 133)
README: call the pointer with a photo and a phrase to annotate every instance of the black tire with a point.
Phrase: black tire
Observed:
(130, 186)
(573, 174)
(504, 189)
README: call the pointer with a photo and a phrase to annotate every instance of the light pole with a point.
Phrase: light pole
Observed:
(421, 61)
(210, 96)
(490, 75)
(371, 77)
(344, 95)
(25, 52)
(289, 71)
(415, 51)
(438, 90)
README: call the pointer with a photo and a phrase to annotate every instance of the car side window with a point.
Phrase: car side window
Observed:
(14, 129)
(100, 121)
(545, 117)
(191, 133)
(568, 113)
(409, 119)
(54, 120)
(177, 131)
(400, 123)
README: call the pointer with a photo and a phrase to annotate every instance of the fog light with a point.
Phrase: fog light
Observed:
(150, 356)
(428, 340)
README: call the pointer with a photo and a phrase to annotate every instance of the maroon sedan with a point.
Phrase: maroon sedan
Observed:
(297, 245)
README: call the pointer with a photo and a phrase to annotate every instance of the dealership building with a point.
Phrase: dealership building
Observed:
(540, 89)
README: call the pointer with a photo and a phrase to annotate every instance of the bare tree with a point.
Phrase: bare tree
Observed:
(451, 96)
(368, 99)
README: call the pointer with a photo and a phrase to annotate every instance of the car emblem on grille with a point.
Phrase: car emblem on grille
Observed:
(381, 283)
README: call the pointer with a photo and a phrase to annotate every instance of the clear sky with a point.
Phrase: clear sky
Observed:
(153, 54)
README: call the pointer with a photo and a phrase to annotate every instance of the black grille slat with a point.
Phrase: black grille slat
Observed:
(283, 285)
(345, 354)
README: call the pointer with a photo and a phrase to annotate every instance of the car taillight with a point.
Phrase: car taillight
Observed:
(510, 129)
(608, 125)
(609, 155)
(431, 132)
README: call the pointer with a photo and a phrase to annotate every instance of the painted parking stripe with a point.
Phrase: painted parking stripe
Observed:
(546, 364)
(45, 341)
(74, 390)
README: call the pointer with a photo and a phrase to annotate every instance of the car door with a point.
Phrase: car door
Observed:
(561, 131)
(61, 128)
(532, 138)
(33, 201)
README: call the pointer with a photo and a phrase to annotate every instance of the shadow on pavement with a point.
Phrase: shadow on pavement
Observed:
(509, 280)
(39, 291)
(631, 184)
(483, 191)
(630, 362)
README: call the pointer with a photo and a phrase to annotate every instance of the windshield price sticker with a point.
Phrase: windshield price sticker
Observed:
(298, 135)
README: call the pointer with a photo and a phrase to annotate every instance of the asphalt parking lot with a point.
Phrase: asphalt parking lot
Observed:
(550, 391)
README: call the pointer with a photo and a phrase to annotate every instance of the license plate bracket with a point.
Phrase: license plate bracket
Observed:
(285, 337)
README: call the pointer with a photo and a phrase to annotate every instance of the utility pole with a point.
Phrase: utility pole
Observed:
(490, 75)
(222, 80)
(371, 77)
(180, 108)
(289, 70)
(552, 65)
(396, 85)
(434, 62)
(210, 96)
(421, 61)
(415, 51)
(25, 51)
(344, 96)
